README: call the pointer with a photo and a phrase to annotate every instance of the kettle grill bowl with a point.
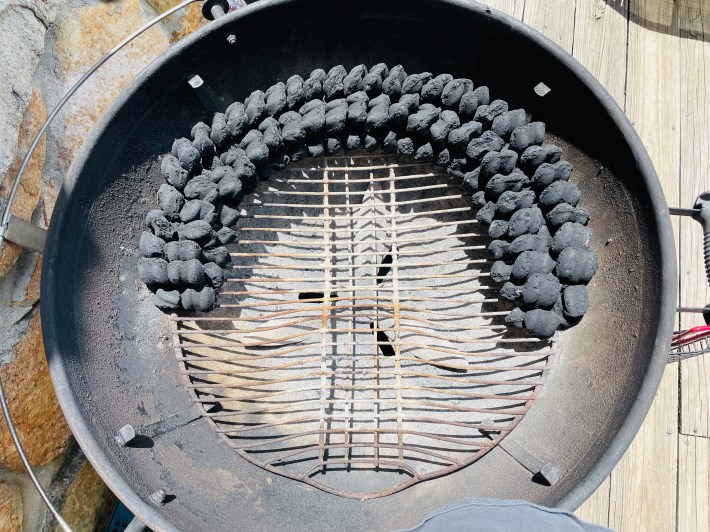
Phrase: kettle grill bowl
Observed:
(107, 345)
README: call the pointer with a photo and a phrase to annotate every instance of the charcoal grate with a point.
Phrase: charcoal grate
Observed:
(358, 345)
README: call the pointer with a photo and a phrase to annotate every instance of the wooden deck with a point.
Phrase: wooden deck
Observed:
(654, 58)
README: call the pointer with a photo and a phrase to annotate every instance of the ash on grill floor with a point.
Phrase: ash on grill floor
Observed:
(359, 344)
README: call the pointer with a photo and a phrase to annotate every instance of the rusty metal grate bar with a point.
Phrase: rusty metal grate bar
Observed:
(358, 332)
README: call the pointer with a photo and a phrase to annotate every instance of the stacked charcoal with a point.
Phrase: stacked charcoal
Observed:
(520, 185)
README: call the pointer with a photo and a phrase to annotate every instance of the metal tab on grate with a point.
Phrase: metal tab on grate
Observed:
(359, 345)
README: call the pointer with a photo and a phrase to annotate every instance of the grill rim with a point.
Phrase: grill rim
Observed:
(60, 370)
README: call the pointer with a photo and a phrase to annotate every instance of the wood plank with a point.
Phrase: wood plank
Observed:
(695, 169)
(514, 8)
(596, 509)
(553, 18)
(600, 39)
(643, 491)
(693, 484)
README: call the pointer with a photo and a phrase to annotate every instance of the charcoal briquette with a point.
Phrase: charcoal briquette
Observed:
(205, 146)
(226, 236)
(389, 143)
(541, 290)
(257, 152)
(173, 172)
(542, 323)
(413, 83)
(529, 262)
(405, 146)
(524, 221)
(237, 120)
(251, 136)
(534, 156)
(528, 135)
(460, 137)
(166, 300)
(539, 242)
(563, 213)
(382, 99)
(516, 318)
(201, 129)
(214, 273)
(353, 81)
(470, 181)
(153, 271)
(170, 201)
(424, 153)
(293, 132)
(446, 122)
(372, 83)
(255, 106)
(359, 96)
(510, 201)
(419, 123)
(335, 119)
(381, 70)
(245, 171)
(295, 92)
(186, 272)
(186, 154)
(500, 183)
(508, 122)
(498, 248)
(201, 187)
(318, 74)
(494, 162)
(511, 292)
(273, 139)
(333, 145)
(160, 225)
(432, 89)
(571, 235)
(199, 231)
(560, 192)
(230, 188)
(486, 213)
(485, 114)
(468, 105)
(312, 88)
(378, 118)
(220, 134)
(443, 158)
(333, 85)
(454, 91)
(487, 142)
(228, 215)
(219, 255)
(353, 142)
(357, 116)
(203, 300)
(576, 301)
(151, 245)
(192, 210)
(370, 142)
(498, 229)
(479, 199)
(392, 86)
(548, 173)
(458, 168)
(576, 266)
(316, 150)
(500, 272)
(483, 95)
(266, 123)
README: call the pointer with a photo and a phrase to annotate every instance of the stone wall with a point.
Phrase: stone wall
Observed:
(45, 46)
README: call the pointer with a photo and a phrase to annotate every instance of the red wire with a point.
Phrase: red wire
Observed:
(692, 335)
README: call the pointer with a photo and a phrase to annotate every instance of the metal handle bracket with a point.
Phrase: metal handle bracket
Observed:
(25, 234)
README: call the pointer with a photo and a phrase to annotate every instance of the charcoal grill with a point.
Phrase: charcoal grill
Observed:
(334, 293)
